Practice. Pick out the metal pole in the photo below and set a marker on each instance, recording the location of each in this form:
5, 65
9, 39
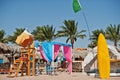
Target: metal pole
86, 23
88, 33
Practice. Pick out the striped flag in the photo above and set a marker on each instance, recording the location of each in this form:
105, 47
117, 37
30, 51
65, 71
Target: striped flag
76, 6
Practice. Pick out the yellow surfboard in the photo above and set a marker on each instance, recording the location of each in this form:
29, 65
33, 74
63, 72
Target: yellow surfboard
103, 57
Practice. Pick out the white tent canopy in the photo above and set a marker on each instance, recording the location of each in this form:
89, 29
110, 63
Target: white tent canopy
90, 58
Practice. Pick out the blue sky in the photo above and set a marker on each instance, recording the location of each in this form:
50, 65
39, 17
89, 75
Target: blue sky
31, 13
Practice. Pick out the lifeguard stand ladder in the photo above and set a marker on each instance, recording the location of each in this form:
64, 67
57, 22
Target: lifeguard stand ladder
25, 63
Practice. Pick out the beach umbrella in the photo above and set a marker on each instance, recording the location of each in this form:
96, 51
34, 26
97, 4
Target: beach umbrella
3, 47
14, 48
80, 53
25, 39
14, 51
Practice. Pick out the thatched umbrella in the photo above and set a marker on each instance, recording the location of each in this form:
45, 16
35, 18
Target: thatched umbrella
14, 51
14, 48
80, 53
3, 47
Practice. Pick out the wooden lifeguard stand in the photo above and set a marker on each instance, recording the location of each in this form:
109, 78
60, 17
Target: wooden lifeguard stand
24, 64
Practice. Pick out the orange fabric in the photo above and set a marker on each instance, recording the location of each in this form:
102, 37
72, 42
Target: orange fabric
22, 58
24, 39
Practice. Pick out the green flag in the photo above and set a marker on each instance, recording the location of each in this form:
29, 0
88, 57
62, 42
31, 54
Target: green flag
76, 6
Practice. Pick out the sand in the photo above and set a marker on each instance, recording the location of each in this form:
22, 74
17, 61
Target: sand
59, 76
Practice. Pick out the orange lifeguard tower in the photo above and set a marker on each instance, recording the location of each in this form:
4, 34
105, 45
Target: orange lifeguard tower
26, 62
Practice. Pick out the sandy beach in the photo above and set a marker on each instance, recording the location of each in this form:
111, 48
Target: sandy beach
59, 76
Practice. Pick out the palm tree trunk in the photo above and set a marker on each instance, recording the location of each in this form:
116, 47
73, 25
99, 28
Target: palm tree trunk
72, 42
72, 46
115, 44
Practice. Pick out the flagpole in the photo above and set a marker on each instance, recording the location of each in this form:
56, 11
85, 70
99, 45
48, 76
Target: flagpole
88, 33
86, 23
77, 7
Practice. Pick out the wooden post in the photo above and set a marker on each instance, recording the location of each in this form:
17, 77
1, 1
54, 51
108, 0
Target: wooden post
33, 65
28, 65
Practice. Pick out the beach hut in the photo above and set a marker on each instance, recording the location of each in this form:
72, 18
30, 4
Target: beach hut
49, 52
78, 57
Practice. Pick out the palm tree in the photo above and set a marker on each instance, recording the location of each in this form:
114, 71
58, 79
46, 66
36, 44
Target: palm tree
2, 39
13, 37
44, 33
113, 33
70, 31
94, 37
37, 33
